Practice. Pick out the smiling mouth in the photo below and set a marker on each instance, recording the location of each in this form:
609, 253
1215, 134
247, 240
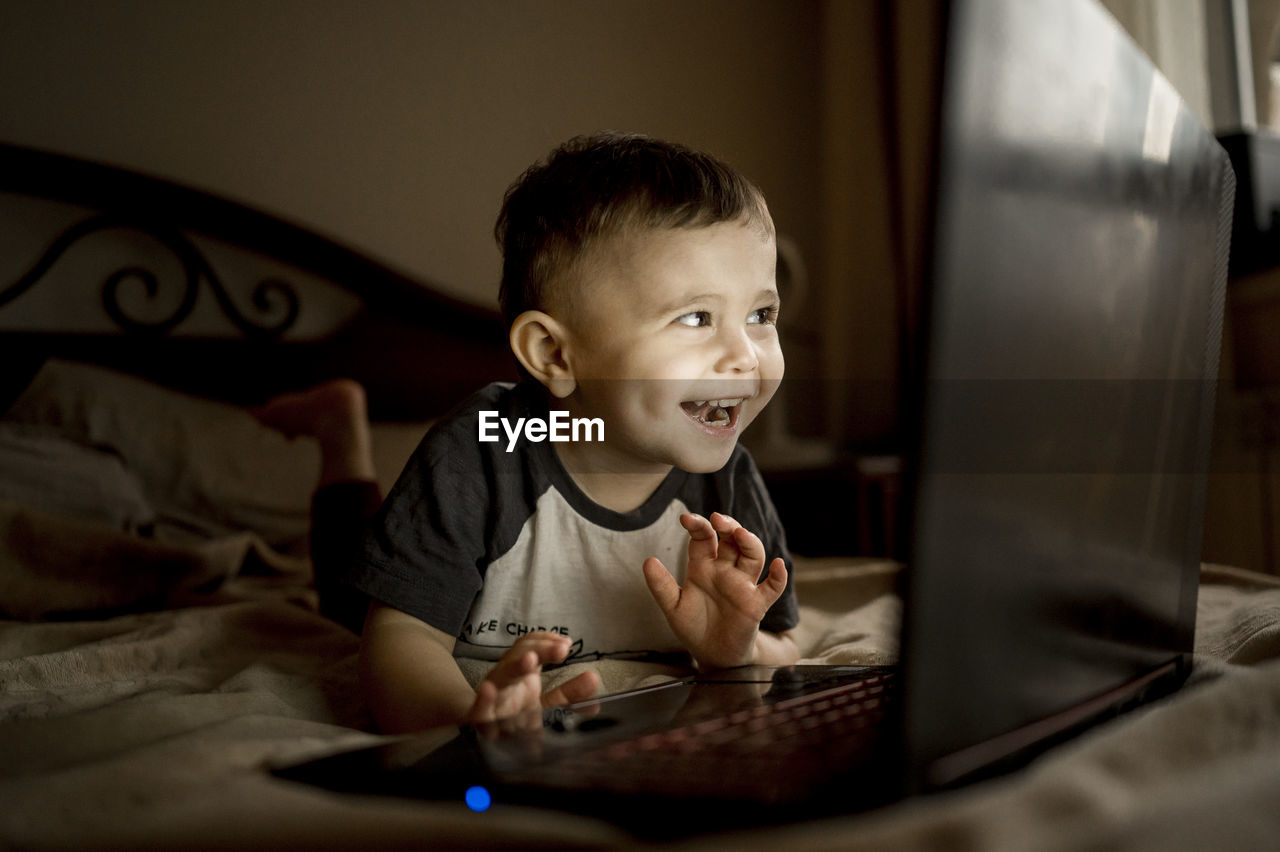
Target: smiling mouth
721, 413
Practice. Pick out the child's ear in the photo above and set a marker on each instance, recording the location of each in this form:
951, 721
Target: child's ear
538, 342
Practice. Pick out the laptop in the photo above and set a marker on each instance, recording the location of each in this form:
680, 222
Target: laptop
1071, 315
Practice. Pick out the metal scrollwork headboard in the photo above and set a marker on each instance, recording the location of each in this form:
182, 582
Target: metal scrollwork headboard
213, 297
271, 296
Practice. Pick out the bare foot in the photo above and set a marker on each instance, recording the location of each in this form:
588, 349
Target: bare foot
335, 413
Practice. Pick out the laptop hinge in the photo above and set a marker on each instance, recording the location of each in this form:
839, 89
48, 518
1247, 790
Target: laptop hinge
1023, 743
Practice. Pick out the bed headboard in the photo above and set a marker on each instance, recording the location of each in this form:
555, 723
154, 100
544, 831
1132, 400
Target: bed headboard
109, 266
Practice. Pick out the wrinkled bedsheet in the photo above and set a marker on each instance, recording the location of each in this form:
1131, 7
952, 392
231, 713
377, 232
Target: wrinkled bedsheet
146, 720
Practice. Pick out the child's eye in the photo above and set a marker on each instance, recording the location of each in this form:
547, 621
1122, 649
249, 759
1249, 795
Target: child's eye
696, 319
764, 316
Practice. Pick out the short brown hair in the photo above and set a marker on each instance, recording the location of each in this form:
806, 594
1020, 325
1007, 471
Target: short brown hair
597, 186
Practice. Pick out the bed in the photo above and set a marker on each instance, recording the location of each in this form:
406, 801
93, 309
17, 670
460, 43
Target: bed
160, 644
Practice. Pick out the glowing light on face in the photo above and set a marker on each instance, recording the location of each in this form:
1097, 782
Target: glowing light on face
678, 351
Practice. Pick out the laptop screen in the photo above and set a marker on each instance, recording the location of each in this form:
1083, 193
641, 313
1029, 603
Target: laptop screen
1073, 317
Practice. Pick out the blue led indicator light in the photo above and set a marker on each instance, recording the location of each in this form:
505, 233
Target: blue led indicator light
478, 799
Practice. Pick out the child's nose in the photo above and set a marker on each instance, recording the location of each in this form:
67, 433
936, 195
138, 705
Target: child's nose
738, 354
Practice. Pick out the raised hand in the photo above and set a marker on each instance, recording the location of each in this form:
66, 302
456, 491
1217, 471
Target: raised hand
716, 613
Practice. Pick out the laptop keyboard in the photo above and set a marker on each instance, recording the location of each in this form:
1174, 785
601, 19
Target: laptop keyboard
761, 752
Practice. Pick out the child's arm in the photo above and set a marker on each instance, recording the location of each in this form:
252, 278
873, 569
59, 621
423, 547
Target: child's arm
717, 612
408, 673
776, 649
411, 680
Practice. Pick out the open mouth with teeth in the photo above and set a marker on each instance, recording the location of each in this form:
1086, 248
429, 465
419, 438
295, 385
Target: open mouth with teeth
719, 413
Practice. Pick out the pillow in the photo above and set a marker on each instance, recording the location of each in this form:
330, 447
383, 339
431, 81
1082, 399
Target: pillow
208, 468
44, 471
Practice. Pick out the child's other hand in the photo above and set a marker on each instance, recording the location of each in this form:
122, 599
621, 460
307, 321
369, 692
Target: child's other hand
514, 686
717, 612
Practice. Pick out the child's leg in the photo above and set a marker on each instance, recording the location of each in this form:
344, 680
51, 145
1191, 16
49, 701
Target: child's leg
347, 495
335, 414
338, 513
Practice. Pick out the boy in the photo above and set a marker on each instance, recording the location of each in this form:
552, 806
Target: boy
638, 281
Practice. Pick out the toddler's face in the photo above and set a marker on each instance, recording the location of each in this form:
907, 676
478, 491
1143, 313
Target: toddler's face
675, 346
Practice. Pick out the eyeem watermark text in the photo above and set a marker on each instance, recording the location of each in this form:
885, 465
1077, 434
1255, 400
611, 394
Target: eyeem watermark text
557, 428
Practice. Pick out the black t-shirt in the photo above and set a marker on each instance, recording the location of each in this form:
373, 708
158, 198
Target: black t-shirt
488, 543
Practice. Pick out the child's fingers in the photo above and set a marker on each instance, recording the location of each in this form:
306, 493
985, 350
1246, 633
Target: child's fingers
510, 712
723, 524
549, 647
751, 555
776, 583
511, 667
485, 707
498, 696
578, 688
726, 529
699, 527
663, 587
703, 541
528, 655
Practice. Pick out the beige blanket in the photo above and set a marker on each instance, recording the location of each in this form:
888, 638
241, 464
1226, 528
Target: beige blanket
151, 728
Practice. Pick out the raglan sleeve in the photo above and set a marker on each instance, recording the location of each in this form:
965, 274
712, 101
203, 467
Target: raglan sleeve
753, 508
422, 552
